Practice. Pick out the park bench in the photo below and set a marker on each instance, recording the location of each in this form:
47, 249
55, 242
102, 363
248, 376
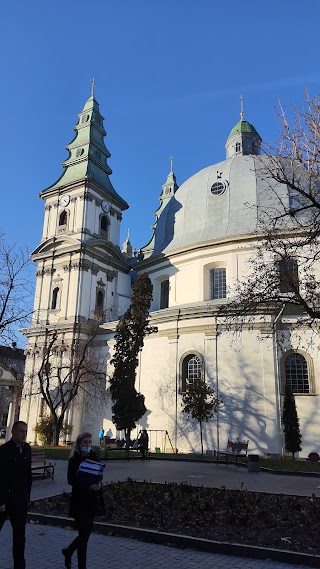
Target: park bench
235, 450
40, 466
120, 445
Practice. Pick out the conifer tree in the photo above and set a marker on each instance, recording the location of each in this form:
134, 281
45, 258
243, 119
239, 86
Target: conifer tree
128, 405
200, 403
290, 420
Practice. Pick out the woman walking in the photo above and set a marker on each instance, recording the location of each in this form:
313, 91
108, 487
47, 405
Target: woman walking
83, 501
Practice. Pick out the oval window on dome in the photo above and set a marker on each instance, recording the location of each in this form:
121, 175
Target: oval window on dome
218, 188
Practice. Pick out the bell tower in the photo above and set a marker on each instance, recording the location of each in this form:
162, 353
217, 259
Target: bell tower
82, 276
79, 256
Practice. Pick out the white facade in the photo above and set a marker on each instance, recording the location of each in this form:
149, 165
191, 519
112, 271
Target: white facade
204, 236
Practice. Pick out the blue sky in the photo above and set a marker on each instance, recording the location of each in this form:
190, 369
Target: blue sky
169, 74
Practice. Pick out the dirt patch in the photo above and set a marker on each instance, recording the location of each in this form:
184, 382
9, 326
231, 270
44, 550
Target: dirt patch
239, 516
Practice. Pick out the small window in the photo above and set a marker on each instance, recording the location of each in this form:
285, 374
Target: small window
104, 225
288, 275
192, 371
63, 217
218, 283
238, 147
85, 118
164, 294
55, 298
296, 373
100, 299
97, 155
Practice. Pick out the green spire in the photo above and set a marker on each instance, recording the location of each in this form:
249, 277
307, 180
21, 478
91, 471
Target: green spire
88, 154
169, 188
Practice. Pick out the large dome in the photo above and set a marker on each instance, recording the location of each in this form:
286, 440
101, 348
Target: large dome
219, 201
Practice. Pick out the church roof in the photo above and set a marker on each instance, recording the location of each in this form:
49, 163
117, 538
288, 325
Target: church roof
243, 127
220, 201
88, 154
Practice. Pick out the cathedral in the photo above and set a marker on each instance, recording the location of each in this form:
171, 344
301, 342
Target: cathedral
203, 236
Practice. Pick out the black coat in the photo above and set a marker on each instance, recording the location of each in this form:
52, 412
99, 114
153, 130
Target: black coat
15, 475
83, 501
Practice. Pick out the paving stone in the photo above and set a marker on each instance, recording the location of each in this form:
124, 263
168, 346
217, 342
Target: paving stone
44, 544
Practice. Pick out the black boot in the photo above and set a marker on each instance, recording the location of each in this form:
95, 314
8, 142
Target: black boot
67, 558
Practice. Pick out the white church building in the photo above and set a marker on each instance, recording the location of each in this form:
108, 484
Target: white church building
203, 236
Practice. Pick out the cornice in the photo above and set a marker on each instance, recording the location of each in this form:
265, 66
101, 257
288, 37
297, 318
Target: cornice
84, 186
245, 238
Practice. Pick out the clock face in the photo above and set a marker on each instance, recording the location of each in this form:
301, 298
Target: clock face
105, 206
64, 200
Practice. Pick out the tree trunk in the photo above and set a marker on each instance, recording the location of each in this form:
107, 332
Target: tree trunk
57, 424
201, 437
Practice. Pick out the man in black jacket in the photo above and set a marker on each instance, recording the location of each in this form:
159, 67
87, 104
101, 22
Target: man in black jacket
15, 487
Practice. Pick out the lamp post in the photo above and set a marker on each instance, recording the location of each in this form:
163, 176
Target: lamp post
16, 393
217, 334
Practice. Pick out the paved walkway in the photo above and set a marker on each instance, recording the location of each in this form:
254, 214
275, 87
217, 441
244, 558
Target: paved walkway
201, 474
44, 544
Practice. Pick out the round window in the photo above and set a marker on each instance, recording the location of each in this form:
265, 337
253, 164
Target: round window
218, 188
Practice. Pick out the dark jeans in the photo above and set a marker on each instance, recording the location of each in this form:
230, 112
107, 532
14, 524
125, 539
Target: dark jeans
84, 525
18, 520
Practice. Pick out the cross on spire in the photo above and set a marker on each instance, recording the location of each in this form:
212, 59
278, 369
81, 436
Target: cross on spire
241, 108
171, 165
93, 83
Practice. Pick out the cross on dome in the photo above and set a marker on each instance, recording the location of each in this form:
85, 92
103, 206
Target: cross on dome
93, 83
241, 108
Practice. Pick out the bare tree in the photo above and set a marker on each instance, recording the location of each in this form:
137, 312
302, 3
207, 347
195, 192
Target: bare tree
67, 374
15, 289
283, 271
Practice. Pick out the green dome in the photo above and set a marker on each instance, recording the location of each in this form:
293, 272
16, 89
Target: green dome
243, 127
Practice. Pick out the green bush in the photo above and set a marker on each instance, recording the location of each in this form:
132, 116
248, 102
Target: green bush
44, 430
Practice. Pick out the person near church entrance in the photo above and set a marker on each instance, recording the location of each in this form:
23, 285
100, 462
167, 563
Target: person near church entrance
143, 443
101, 435
15, 488
83, 502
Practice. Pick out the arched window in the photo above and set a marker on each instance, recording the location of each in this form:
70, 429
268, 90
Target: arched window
63, 217
104, 225
99, 300
55, 298
296, 373
192, 370
238, 147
